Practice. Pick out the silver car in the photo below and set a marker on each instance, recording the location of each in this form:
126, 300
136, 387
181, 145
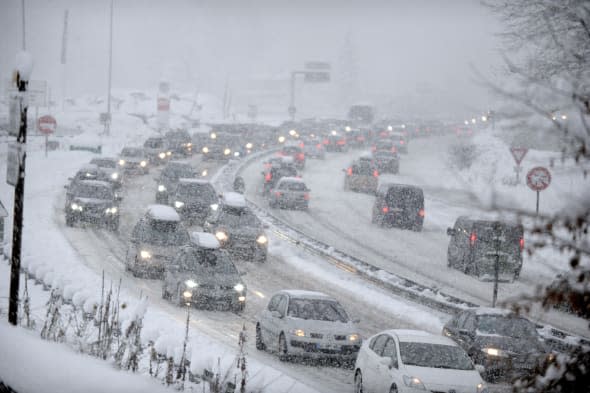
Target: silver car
289, 192
202, 274
307, 324
154, 241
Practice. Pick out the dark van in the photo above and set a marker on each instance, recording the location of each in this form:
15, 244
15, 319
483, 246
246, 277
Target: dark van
476, 245
399, 205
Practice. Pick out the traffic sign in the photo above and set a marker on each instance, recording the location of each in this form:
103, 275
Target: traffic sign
538, 178
518, 153
47, 124
316, 76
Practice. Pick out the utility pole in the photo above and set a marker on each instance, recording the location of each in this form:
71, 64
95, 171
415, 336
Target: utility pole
107, 125
24, 68
64, 42
23, 23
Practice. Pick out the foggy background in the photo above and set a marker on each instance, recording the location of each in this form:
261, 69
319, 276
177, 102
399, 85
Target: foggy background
410, 58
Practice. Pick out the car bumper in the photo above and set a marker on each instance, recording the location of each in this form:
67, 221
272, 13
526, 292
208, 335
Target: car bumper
218, 299
304, 348
90, 216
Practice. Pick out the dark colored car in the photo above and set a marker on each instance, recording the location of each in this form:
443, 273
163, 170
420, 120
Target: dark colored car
179, 142
476, 245
355, 137
504, 343
295, 152
386, 161
275, 171
203, 274
362, 176
156, 150
90, 172
168, 179
335, 142
237, 228
134, 161
399, 205
92, 201
110, 169
222, 146
193, 199
289, 192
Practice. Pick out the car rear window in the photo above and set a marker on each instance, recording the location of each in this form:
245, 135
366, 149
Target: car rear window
404, 197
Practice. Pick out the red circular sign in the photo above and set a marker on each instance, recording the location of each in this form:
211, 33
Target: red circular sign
46, 124
538, 178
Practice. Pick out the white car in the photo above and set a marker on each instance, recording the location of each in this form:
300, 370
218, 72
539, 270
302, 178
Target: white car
307, 324
414, 361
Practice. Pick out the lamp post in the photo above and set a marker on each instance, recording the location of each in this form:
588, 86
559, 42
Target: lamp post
24, 67
107, 124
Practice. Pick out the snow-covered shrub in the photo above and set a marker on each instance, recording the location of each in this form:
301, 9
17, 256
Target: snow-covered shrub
462, 155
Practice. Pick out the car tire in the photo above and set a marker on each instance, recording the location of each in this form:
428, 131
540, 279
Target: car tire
358, 382
393, 389
283, 351
113, 225
240, 307
259, 342
165, 294
70, 220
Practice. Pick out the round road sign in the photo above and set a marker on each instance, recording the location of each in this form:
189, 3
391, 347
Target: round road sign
538, 178
46, 124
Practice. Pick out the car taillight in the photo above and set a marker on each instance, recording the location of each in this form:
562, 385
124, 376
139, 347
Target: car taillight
472, 238
278, 194
393, 149
349, 171
326, 142
301, 156
319, 145
385, 209
341, 142
301, 145
421, 212
267, 177
375, 173
373, 148
401, 142
306, 196
521, 243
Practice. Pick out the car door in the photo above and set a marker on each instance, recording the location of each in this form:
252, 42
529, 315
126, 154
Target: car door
279, 321
388, 373
267, 323
370, 372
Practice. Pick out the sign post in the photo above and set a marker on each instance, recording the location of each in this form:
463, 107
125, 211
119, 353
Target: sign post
538, 179
46, 125
518, 154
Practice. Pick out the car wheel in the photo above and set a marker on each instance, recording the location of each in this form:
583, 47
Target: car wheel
393, 389
165, 294
113, 225
259, 343
283, 353
358, 382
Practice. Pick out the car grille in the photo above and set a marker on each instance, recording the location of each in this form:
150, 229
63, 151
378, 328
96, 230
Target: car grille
316, 335
339, 337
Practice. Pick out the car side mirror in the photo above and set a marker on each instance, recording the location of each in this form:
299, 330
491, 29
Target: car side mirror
276, 314
480, 368
450, 231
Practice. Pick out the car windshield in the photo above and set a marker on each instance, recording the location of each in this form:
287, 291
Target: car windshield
505, 326
104, 163
178, 172
317, 310
404, 197
93, 191
209, 262
154, 143
164, 233
363, 169
293, 186
384, 155
131, 152
238, 218
434, 356
291, 150
196, 192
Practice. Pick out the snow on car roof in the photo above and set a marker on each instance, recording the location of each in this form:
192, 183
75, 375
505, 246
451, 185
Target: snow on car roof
299, 293
88, 168
205, 240
163, 213
192, 181
291, 180
95, 183
234, 199
410, 335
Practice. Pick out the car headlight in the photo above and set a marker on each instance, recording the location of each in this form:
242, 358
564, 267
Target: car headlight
236, 153
414, 382
145, 254
76, 207
168, 153
178, 204
121, 162
161, 188
188, 144
162, 155
205, 149
213, 135
241, 298
204, 173
190, 283
221, 236
495, 352
248, 145
481, 388
111, 210
298, 332
114, 175
261, 239
187, 294
214, 206
239, 287
227, 152
353, 337
143, 164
